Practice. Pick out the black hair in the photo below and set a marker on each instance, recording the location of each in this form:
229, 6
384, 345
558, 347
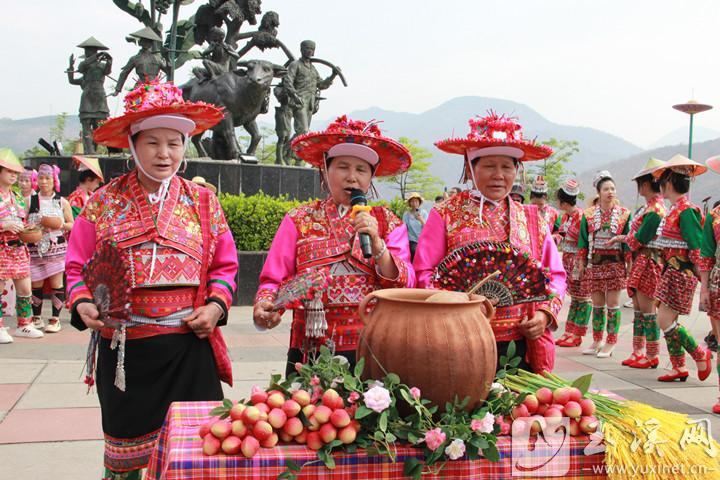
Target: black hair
649, 179
679, 182
602, 181
538, 195
439, 198
86, 175
564, 197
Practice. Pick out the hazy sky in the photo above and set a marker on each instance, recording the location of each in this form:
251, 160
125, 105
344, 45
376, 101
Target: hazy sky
616, 65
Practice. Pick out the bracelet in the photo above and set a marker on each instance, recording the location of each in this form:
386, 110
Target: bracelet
222, 311
382, 252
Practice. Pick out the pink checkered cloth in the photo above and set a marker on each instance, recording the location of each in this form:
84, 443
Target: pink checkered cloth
178, 455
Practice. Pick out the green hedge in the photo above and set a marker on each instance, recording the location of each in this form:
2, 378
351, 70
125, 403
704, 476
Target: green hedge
255, 219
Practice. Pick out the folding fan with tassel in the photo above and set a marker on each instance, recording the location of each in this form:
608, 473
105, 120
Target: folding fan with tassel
107, 276
511, 277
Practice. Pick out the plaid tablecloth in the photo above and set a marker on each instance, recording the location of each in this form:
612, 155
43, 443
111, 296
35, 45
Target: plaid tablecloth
178, 455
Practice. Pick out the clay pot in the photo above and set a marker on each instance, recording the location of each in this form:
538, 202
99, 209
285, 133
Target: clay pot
51, 223
443, 348
30, 235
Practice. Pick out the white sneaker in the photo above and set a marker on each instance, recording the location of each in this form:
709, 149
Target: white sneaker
53, 326
593, 349
28, 331
38, 323
5, 336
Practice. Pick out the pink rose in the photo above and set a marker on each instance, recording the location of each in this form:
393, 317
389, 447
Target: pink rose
434, 438
377, 398
298, 367
485, 425
353, 397
415, 392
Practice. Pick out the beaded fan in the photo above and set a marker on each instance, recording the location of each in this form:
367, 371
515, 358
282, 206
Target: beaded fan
521, 278
301, 287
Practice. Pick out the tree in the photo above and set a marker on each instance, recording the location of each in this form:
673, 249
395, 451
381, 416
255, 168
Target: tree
418, 177
266, 148
56, 133
553, 168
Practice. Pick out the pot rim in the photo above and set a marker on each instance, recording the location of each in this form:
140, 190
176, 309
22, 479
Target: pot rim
391, 294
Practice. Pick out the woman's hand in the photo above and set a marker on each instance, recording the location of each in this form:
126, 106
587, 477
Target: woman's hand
366, 223
617, 239
534, 327
265, 316
13, 227
704, 299
89, 315
203, 319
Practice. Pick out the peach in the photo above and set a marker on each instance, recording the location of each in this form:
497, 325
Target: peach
221, 429
239, 429
277, 418
331, 399
262, 430
347, 435
561, 395
314, 442
258, 397
291, 408
588, 407
536, 425
575, 394
531, 403
574, 428
270, 441
302, 437
328, 433
542, 408
205, 428
302, 397
263, 407
231, 445
553, 412
356, 425
340, 418
236, 411
309, 410
276, 400
211, 445
251, 415
589, 425
544, 395
293, 426
520, 411
285, 437
572, 409
322, 414
250, 446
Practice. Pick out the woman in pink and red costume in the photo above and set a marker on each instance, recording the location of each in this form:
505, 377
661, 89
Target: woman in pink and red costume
182, 266
710, 268
493, 151
325, 233
539, 197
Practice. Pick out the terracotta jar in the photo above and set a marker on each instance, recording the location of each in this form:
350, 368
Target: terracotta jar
445, 349
30, 235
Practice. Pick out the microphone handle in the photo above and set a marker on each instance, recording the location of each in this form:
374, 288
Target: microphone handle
365, 245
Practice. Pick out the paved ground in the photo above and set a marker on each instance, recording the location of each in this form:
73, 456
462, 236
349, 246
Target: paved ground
50, 427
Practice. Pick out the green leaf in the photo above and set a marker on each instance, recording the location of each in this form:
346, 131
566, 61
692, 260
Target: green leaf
217, 411
491, 453
406, 395
410, 466
583, 383
383, 421
390, 438
391, 379
359, 367
334, 443
327, 458
292, 466
227, 403
515, 361
511, 349
503, 360
412, 438
287, 476
362, 412
303, 418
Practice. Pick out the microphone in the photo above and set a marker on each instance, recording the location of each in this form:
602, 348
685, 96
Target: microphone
358, 202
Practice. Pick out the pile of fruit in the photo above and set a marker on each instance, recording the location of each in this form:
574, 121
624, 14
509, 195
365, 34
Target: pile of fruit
271, 417
545, 406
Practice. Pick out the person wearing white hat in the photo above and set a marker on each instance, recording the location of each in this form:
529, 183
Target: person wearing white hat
606, 263
539, 197
414, 219
90, 177
646, 268
680, 240
578, 287
710, 267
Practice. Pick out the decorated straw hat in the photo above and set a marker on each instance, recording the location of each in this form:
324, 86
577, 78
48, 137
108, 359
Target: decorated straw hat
650, 166
495, 135
201, 181
82, 162
571, 187
414, 195
600, 176
160, 103
682, 165
713, 163
354, 138
10, 161
539, 185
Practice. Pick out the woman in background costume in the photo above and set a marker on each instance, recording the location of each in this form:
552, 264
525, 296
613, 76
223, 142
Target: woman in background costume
90, 177
181, 261
326, 234
539, 197
606, 264
493, 151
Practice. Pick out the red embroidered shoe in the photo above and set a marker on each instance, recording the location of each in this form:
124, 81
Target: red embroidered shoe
703, 374
633, 358
716, 408
571, 341
671, 377
645, 362
560, 342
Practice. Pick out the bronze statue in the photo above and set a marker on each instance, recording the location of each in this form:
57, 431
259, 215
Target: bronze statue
218, 58
233, 13
146, 63
265, 37
283, 126
96, 65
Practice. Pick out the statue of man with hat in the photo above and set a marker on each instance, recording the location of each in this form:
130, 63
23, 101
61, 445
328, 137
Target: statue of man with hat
147, 63
96, 65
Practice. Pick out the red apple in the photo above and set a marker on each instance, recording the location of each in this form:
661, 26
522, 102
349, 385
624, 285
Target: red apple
588, 407
291, 408
347, 435
250, 446
575, 394
561, 395
221, 429
340, 418
331, 399
532, 403
231, 445
302, 437
589, 425
293, 426
302, 397
328, 433
258, 397
520, 411
276, 400
239, 429
544, 395
314, 442
236, 411
250, 415
322, 414
285, 437
262, 430
211, 445
270, 441
572, 409
277, 418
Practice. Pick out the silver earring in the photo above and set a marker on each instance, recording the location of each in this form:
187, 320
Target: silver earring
127, 164
183, 166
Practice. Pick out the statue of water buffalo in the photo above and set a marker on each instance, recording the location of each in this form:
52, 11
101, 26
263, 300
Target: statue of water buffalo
243, 93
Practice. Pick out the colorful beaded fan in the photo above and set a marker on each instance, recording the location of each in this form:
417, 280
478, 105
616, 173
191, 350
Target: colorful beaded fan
515, 277
301, 287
